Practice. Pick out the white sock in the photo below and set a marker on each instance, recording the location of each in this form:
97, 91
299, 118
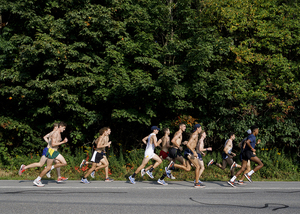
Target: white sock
52, 167
250, 173
38, 178
232, 179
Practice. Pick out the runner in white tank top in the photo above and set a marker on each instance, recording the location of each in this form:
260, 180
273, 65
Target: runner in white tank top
149, 154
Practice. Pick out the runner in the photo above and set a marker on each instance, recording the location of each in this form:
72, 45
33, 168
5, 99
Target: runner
248, 154
227, 156
200, 149
191, 156
149, 154
84, 162
43, 159
248, 167
174, 153
52, 153
99, 153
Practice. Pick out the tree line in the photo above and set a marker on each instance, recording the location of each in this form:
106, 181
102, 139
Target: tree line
130, 64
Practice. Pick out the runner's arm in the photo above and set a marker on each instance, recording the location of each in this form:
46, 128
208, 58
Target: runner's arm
248, 143
145, 139
174, 140
54, 141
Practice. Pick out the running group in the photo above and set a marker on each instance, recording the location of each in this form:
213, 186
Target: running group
171, 150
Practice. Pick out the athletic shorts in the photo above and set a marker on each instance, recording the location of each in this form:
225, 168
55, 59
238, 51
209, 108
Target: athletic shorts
188, 152
51, 153
163, 154
45, 152
97, 157
173, 153
200, 156
247, 155
224, 156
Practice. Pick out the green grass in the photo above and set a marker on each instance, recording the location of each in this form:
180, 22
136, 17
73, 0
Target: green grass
278, 166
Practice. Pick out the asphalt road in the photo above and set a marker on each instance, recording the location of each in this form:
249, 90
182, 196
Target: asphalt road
148, 197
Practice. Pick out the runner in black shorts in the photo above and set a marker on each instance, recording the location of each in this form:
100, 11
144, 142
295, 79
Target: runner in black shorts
248, 154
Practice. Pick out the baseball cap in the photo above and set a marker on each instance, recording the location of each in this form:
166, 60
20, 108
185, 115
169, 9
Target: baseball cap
196, 126
154, 128
249, 131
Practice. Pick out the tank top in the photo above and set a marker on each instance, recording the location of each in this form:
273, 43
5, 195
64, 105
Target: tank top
229, 151
150, 147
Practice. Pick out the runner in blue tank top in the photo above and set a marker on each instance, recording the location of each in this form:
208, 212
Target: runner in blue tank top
249, 154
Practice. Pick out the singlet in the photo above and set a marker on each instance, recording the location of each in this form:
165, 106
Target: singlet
150, 147
229, 151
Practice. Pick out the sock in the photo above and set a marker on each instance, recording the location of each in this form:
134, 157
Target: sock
151, 169
133, 175
52, 167
163, 176
232, 179
38, 178
250, 173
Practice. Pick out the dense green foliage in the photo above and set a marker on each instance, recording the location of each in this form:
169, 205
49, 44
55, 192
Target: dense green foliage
130, 64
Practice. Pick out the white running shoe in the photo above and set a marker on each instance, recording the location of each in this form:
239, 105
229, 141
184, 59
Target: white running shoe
48, 174
210, 162
38, 183
172, 177
21, 170
93, 174
162, 182
131, 179
143, 172
233, 166
83, 162
85, 181
150, 174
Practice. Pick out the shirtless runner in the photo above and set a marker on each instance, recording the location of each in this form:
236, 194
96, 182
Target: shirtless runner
99, 153
227, 156
84, 162
200, 149
52, 153
191, 156
43, 159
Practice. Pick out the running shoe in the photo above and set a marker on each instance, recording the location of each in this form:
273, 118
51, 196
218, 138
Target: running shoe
162, 182
150, 174
168, 172
48, 174
171, 164
241, 182
85, 181
210, 162
83, 162
233, 166
231, 183
172, 177
21, 170
200, 182
143, 172
61, 179
131, 179
108, 179
248, 177
93, 174
38, 183
198, 185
